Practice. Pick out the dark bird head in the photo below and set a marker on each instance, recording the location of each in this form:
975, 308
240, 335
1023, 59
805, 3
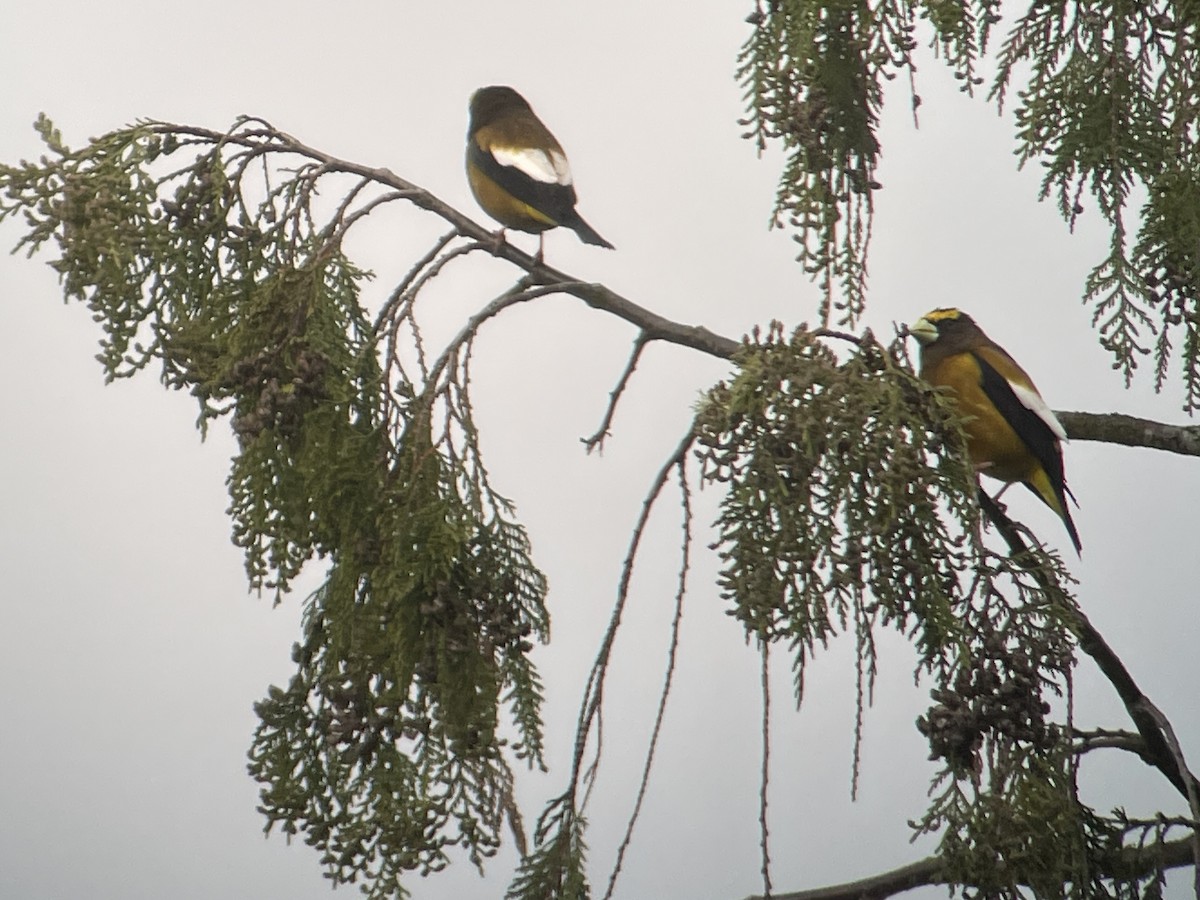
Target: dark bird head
489, 103
951, 330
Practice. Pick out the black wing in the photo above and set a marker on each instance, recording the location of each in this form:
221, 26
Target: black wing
1029, 426
556, 201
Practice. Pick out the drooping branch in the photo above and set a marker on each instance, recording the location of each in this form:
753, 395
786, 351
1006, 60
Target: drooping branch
1152, 743
1142, 712
665, 693
558, 858
594, 691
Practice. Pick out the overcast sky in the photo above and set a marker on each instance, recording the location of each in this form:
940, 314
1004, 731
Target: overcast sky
130, 652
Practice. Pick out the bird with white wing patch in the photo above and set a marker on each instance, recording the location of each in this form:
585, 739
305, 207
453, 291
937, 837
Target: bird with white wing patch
517, 169
1012, 435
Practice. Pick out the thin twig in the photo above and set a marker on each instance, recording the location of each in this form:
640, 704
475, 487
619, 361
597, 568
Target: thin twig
401, 289
596, 441
339, 216
1193, 800
672, 650
519, 293
365, 210
593, 693
765, 778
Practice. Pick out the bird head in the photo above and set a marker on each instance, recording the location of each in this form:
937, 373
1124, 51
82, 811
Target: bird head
488, 103
951, 329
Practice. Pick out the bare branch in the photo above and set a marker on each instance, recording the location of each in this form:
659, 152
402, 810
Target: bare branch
885, 884
1104, 739
654, 326
1115, 428
1136, 703
591, 708
519, 293
596, 441
1193, 801
1158, 752
1128, 863
672, 651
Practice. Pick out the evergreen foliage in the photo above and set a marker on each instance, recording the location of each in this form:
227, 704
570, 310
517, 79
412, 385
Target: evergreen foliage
389, 744
556, 867
848, 499
1106, 95
848, 506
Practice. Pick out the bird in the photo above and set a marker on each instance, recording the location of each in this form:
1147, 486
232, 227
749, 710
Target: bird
517, 169
1012, 435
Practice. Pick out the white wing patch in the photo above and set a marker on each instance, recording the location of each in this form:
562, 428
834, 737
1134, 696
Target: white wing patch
1031, 401
546, 166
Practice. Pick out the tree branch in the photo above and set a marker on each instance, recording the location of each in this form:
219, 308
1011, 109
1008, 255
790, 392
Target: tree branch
1130, 431
1193, 799
596, 441
1153, 744
1127, 863
1154, 730
1112, 428
597, 296
1141, 711
1101, 739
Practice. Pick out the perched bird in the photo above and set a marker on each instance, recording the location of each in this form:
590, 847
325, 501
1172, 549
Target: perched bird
518, 171
1011, 433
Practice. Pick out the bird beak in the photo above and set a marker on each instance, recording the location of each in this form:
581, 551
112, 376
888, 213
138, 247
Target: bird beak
923, 330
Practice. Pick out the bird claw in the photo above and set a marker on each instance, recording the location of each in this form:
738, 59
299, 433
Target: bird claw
499, 239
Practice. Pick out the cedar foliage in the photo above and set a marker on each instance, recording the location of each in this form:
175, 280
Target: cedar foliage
414, 692
1104, 95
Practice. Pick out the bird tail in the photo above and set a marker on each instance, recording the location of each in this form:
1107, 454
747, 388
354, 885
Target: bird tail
1056, 498
586, 232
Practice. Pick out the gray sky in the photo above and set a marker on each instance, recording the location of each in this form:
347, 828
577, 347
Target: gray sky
130, 653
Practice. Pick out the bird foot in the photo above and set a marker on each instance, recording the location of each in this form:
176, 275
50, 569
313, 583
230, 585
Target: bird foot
499, 239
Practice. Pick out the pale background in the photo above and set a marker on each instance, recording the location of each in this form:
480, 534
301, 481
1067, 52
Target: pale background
130, 654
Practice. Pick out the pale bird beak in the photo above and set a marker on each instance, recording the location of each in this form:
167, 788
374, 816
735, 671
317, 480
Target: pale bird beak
923, 330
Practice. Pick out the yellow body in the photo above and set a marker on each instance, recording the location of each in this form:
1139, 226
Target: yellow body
992, 443
1011, 434
503, 206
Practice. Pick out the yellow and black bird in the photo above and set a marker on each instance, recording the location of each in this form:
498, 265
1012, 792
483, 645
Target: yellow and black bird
1011, 433
518, 171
